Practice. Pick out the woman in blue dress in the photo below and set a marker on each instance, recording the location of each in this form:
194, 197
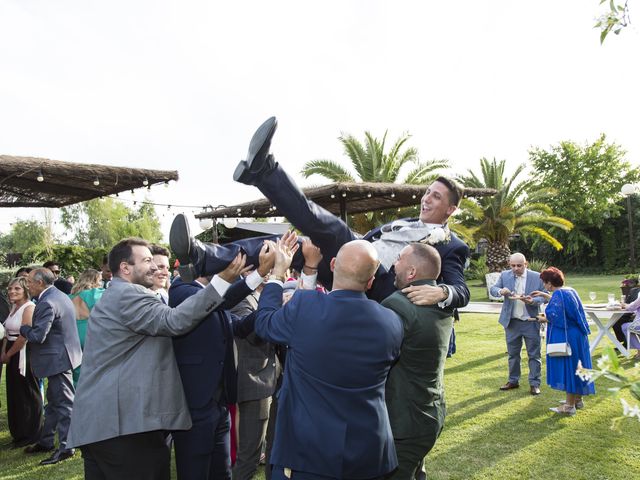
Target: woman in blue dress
567, 322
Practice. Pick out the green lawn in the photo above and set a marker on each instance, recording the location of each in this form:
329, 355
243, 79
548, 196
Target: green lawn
489, 434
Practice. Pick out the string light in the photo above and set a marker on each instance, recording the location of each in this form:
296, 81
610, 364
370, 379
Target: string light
96, 182
369, 195
413, 196
333, 196
145, 182
344, 194
40, 177
393, 195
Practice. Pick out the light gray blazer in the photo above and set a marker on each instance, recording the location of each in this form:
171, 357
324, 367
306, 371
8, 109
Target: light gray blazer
508, 280
258, 366
130, 381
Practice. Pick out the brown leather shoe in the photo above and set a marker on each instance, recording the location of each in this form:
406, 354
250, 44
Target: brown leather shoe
534, 390
509, 386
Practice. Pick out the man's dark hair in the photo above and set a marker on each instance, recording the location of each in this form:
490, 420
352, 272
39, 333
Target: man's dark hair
23, 269
49, 264
122, 252
456, 192
159, 250
44, 275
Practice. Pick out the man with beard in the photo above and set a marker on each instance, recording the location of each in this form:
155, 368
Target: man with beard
130, 391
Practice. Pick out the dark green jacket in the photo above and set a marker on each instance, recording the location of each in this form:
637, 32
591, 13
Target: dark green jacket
415, 387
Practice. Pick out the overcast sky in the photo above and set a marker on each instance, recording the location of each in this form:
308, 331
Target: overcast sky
182, 85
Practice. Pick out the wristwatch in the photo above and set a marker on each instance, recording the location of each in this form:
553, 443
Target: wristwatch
280, 278
445, 289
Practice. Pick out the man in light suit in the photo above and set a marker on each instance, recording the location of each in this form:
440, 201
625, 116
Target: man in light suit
55, 351
515, 285
415, 387
130, 391
332, 420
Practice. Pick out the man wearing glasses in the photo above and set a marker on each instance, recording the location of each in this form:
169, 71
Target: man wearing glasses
60, 283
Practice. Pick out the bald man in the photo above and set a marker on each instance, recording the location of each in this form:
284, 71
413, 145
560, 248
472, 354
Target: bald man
332, 420
515, 285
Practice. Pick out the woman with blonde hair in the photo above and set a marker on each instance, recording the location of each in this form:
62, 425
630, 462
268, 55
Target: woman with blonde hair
24, 401
85, 294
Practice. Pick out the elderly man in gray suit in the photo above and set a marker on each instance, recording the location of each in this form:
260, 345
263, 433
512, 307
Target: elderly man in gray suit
55, 351
130, 392
515, 285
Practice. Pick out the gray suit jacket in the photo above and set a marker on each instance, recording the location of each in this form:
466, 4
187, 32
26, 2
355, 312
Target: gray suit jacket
53, 336
508, 280
130, 381
258, 367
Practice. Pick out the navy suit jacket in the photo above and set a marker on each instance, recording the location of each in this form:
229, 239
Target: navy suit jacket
53, 335
454, 255
332, 419
205, 355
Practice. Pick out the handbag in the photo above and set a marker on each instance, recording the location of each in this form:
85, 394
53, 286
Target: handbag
560, 349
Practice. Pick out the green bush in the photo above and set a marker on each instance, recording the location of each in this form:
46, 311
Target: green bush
72, 259
477, 269
537, 265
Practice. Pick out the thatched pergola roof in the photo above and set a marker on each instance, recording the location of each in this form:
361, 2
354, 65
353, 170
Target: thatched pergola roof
66, 183
341, 199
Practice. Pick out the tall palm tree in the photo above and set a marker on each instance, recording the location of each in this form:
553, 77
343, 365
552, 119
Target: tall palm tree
518, 207
372, 164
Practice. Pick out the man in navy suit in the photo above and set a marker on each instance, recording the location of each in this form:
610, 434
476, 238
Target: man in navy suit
329, 233
332, 419
207, 366
55, 351
515, 285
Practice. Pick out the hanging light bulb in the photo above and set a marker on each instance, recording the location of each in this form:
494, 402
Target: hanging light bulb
40, 177
145, 182
344, 194
206, 223
369, 195
393, 195
333, 196
413, 196
96, 182
230, 222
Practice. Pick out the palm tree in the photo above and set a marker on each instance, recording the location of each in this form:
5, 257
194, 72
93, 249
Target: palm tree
372, 164
518, 207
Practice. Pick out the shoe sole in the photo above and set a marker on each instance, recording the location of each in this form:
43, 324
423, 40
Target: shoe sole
261, 140
180, 239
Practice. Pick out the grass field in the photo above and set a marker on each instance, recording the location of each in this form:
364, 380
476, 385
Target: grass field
488, 434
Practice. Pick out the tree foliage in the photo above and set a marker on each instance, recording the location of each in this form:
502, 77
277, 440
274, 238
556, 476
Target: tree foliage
372, 162
518, 207
614, 19
588, 180
24, 234
101, 223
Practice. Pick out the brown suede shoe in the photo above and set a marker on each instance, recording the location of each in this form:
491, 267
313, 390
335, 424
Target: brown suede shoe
509, 386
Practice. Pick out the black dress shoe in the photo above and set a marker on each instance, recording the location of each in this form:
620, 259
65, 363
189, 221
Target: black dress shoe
534, 390
258, 161
186, 248
58, 456
509, 386
37, 448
